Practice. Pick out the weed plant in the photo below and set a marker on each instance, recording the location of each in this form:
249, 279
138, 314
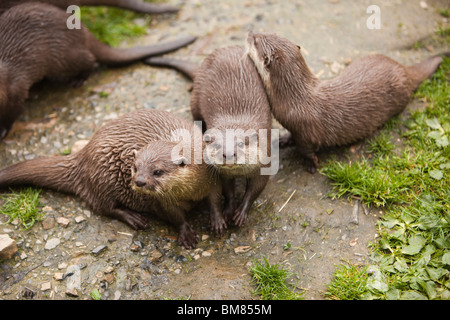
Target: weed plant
413, 186
271, 281
23, 205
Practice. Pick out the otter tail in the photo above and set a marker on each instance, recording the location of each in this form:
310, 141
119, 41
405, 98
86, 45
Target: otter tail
134, 5
48, 172
425, 69
185, 67
118, 56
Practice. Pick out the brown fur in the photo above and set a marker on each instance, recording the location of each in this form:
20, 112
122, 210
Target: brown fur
126, 170
36, 44
228, 94
134, 5
334, 112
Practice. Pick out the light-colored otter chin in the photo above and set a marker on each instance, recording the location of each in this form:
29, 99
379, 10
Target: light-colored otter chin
146, 191
251, 51
236, 169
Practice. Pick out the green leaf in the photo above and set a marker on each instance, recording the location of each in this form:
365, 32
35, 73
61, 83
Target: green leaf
433, 123
446, 258
445, 165
401, 265
436, 174
393, 294
95, 294
413, 295
436, 273
416, 244
429, 287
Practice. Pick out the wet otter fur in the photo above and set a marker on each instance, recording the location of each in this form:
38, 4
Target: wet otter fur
134, 5
127, 170
36, 44
228, 96
336, 112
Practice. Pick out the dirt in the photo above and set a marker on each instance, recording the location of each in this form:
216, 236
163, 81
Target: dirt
294, 223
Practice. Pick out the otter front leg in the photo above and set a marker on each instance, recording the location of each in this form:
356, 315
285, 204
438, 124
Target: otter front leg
134, 219
254, 188
217, 221
187, 237
228, 186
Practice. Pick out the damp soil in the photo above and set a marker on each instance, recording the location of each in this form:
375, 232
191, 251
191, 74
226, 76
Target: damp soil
293, 223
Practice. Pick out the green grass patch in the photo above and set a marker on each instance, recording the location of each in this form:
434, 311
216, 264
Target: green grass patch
412, 255
271, 281
349, 283
114, 25
23, 205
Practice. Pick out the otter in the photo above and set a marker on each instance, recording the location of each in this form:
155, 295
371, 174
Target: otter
335, 112
229, 98
36, 44
128, 169
134, 5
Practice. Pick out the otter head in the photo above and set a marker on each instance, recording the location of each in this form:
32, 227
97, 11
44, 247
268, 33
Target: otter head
272, 55
232, 151
155, 171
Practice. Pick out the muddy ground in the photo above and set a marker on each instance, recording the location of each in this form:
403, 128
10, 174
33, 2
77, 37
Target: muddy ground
55, 261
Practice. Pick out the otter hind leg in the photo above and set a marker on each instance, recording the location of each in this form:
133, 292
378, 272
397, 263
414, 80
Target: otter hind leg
311, 160
286, 140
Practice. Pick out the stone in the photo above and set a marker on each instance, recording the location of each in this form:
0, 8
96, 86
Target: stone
80, 219
58, 276
73, 278
155, 255
48, 223
64, 222
46, 286
8, 247
72, 292
52, 243
99, 249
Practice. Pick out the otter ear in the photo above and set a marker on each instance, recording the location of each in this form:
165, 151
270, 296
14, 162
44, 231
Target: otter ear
299, 48
134, 152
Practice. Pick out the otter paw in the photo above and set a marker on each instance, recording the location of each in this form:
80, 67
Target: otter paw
239, 218
313, 164
286, 141
134, 219
187, 237
218, 225
228, 213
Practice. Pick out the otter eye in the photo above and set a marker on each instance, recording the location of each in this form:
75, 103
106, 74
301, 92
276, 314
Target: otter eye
158, 173
266, 61
208, 138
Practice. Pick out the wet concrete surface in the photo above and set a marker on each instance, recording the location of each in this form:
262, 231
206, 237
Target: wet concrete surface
96, 253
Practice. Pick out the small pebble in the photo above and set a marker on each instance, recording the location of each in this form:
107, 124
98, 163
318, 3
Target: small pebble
99, 249
52, 243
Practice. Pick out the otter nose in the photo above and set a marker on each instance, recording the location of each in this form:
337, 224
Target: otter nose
229, 155
140, 182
